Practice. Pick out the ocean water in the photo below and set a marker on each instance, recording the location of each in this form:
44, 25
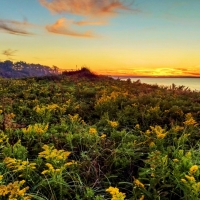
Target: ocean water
191, 83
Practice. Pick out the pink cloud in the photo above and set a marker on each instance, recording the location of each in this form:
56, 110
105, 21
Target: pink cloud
63, 27
84, 7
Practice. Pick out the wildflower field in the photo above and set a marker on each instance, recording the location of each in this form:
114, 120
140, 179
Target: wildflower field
97, 138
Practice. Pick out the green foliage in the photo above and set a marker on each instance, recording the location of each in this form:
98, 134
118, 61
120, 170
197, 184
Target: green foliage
17, 151
79, 136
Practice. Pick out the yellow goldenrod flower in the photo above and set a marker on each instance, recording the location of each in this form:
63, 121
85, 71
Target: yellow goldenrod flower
161, 135
17, 165
152, 144
1, 177
119, 196
193, 169
12, 115
175, 160
103, 135
37, 129
45, 171
152, 175
138, 183
112, 190
183, 180
159, 131
3, 137
50, 166
177, 128
116, 195
189, 120
70, 163
190, 178
52, 171
142, 197
50, 153
92, 130
56, 160
148, 132
75, 118
137, 126
113, 123
13, 191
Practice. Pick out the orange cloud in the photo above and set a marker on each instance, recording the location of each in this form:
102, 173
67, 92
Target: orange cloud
62, 26
167, 72
14, 27
88, 23
84, 7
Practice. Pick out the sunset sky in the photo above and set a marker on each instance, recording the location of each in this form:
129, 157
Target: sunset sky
141, 37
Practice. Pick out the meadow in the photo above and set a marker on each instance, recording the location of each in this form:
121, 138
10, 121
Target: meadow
96, 138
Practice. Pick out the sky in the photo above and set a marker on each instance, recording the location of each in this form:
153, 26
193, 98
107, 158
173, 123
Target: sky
112, 37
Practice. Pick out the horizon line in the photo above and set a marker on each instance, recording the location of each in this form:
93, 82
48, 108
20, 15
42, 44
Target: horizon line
151, 76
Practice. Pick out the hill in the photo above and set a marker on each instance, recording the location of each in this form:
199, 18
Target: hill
84, 72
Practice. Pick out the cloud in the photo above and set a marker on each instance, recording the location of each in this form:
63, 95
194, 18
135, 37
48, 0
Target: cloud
14, 27
9, 53
167, 72
88, 23
88, 9
190, 72
63, 27
193, 74
84, 7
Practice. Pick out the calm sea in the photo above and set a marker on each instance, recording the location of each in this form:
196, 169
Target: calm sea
191, 83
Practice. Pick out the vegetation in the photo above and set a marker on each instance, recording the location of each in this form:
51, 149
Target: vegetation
8, 69
83, 72
77, 137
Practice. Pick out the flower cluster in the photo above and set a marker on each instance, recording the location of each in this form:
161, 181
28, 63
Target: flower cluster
177, 128
159, 131
138, 183
189, 120
54, 155
12, 191
154, 109
189, 180
103, 135
116, 195
51, 169
36, 128
55, 171
193, 169
43, 109
17, 165
113, 124
93, 131
74, 118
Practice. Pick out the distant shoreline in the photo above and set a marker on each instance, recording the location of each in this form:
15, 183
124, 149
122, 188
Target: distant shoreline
191, 82
123, 77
